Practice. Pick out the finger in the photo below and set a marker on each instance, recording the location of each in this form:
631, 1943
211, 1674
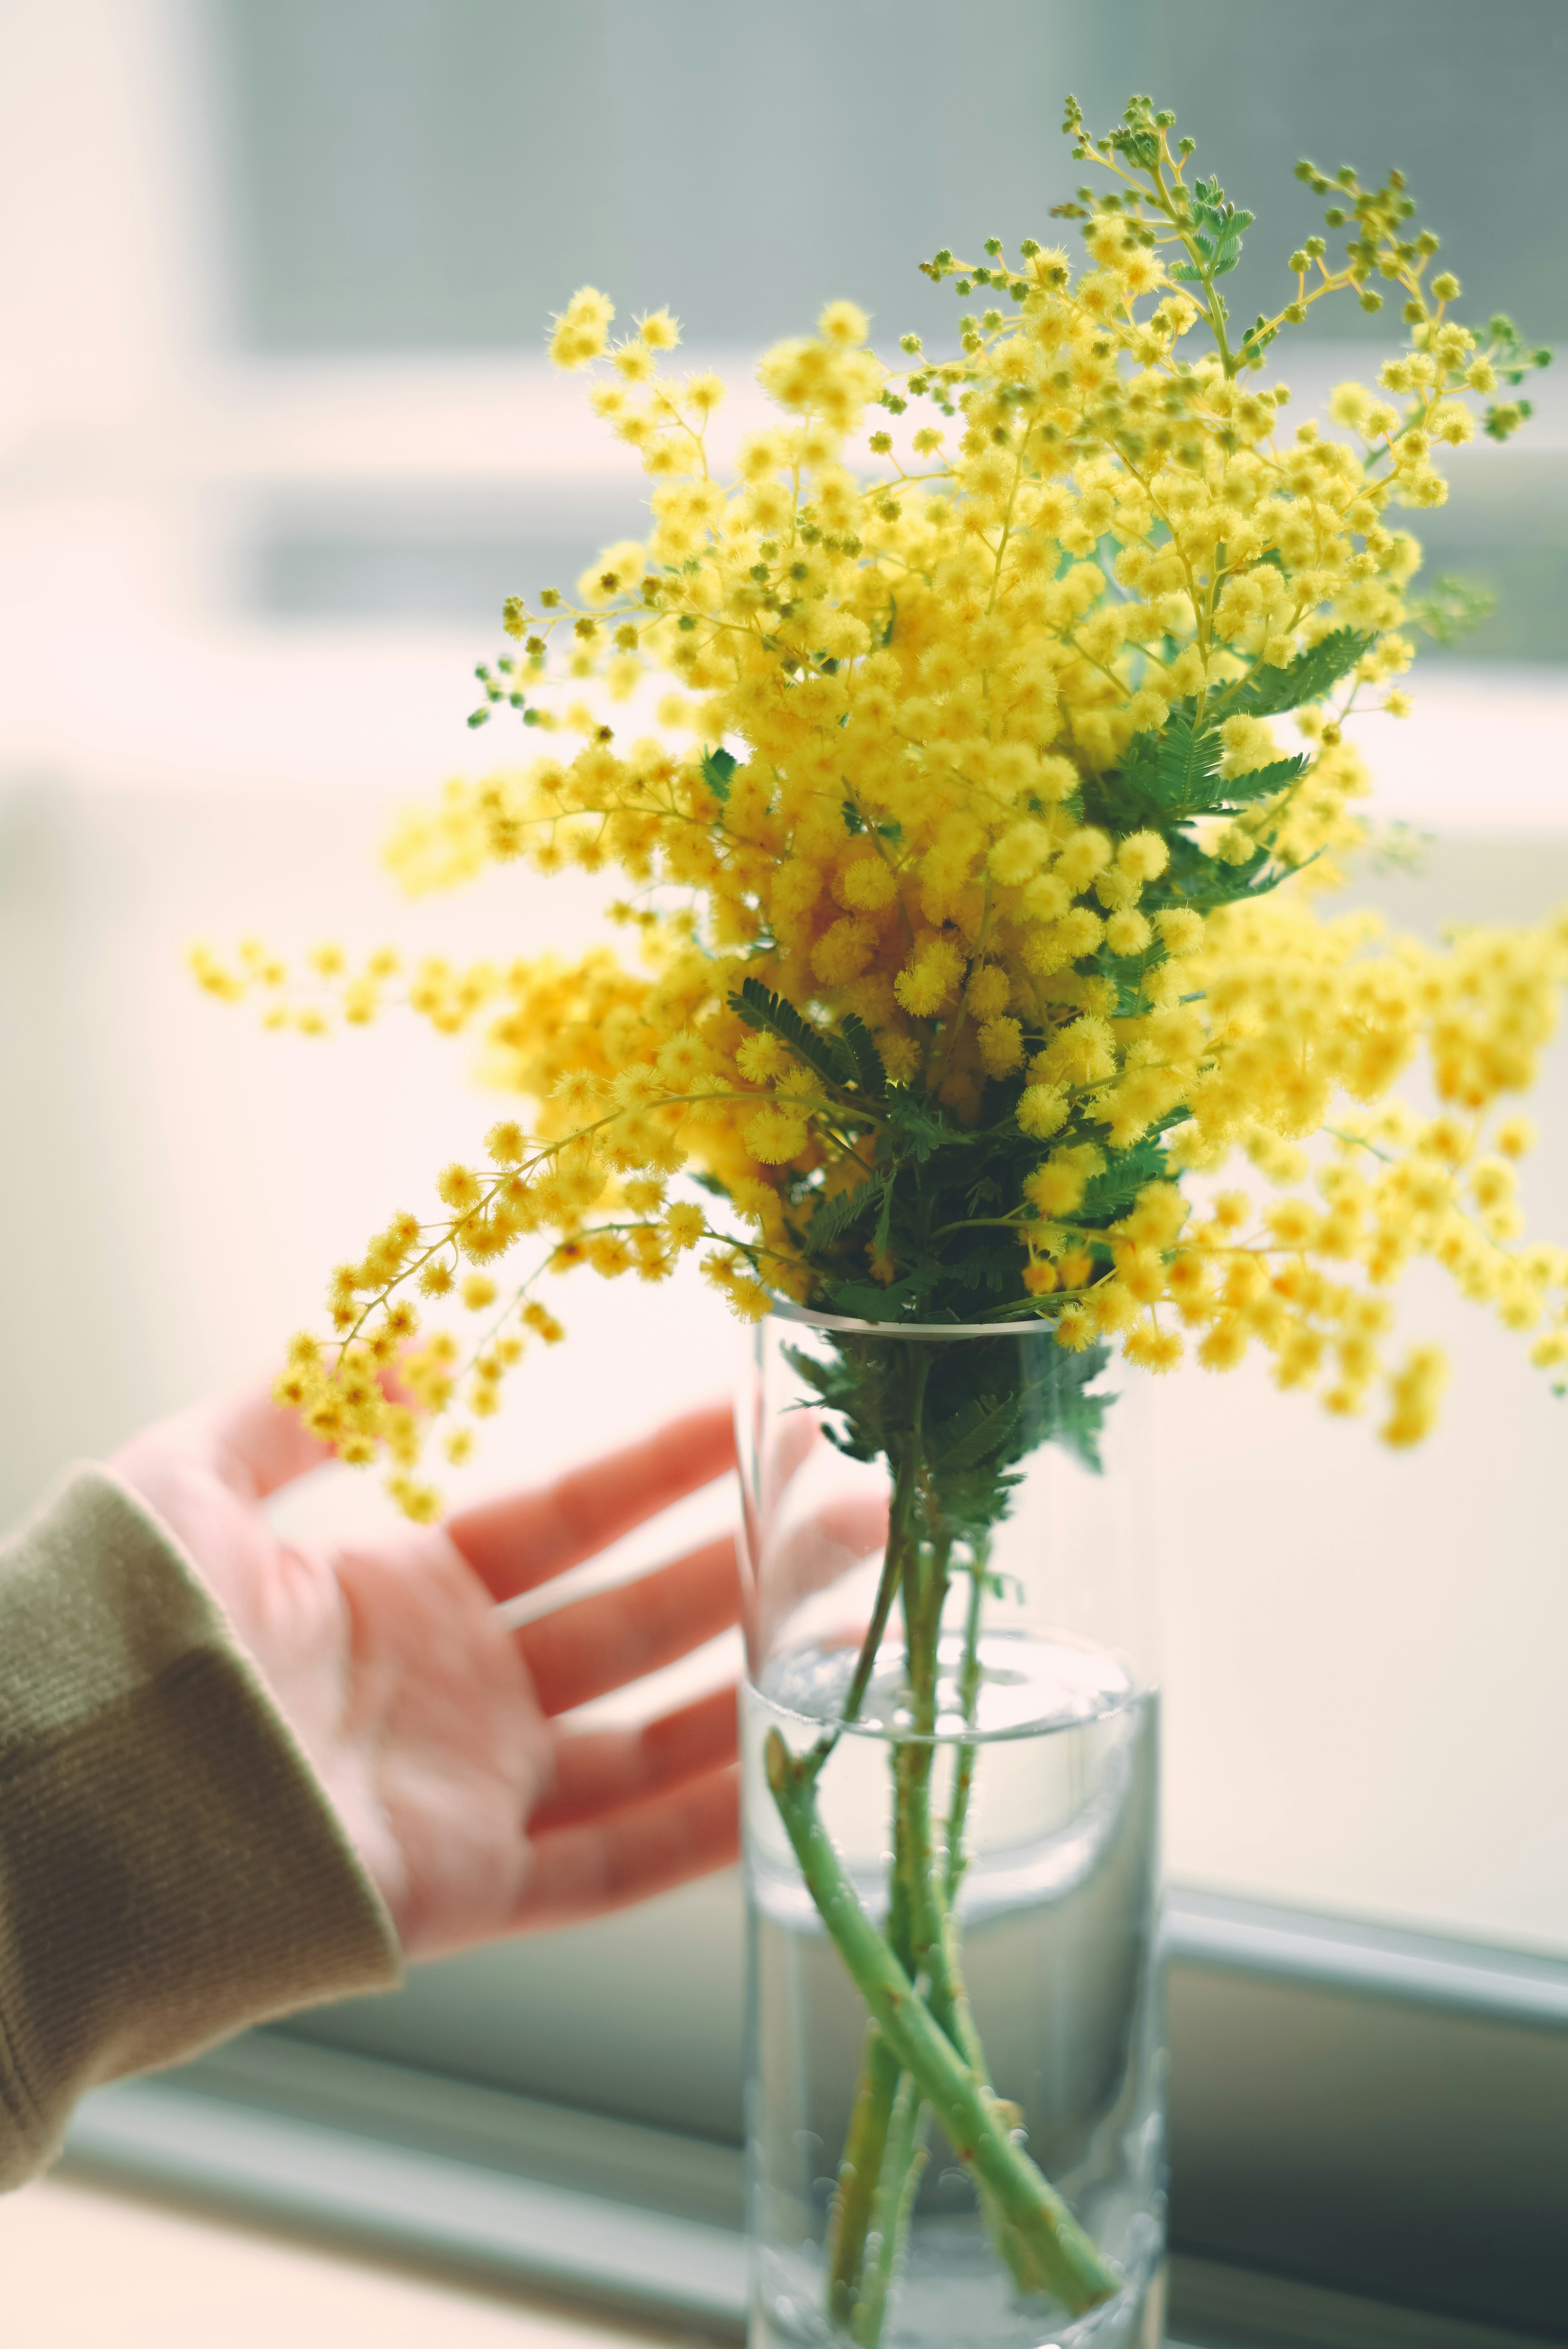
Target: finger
255, 1446
796, 1441
520, 1541
612, 1637
608, 1770
838, 1536
586, 1871
807, 1557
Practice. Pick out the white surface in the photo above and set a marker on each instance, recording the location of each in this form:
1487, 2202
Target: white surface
413, 2206
85, 2269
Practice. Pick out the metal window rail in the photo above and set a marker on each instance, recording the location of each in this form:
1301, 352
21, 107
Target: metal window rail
1369, 2143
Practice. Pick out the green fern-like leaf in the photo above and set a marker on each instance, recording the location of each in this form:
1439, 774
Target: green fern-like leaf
1263, 782
1113, 1191
976, 1433
864, 1060
1203, 883
831, 1218
920, 1126
1059, 1409
1452, 608
1169, 777
1175, 773
868, 1300
761, 1008
1269, 692
718, 772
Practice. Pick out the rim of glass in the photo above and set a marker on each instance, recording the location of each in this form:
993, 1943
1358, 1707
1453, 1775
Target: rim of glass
783, 1308
1135, 1689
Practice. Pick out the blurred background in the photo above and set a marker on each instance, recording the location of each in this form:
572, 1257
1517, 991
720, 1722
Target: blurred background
276, 440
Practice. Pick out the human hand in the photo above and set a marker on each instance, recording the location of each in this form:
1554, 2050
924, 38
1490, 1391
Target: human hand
434, 1725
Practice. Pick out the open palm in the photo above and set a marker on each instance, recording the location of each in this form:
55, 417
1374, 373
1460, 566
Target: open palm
434, 1725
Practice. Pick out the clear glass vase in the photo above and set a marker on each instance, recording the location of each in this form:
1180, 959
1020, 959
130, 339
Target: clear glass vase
950, 1740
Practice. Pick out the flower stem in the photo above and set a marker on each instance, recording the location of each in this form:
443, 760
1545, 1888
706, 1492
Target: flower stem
969, 1693
904, 2160
860, 2169
860, 2165
933, 1952
1050, 2251
937, 1946
901, 1545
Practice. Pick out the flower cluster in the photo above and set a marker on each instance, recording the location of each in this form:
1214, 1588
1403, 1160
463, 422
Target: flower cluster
974, 890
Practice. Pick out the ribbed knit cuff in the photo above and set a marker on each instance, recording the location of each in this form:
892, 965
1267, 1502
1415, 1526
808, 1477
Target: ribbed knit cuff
170, 1868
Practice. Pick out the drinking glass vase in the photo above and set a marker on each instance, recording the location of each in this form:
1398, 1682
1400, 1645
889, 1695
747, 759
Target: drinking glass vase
950, 1747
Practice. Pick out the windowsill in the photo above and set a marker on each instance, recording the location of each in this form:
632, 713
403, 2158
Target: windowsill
85, 2264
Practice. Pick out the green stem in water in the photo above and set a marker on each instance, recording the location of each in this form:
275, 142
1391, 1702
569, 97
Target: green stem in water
1050, 2251
933, 1951
860, 2164
905, 2154
872, 2206
856, 2199
904, 2160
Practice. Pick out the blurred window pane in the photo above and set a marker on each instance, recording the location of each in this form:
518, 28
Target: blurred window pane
413, 173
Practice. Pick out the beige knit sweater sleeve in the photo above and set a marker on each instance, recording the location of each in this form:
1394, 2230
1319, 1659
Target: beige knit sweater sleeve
170, 1868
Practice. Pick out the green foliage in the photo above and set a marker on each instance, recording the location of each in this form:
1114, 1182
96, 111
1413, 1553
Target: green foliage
1110, 1195
762, 1010
1266, 783
1397, 847
1268, 692
1255, 340
1515, 356
871, 1300
831, 1218
1450, 608
857, 1383
848, 1060
1168, 778
718, 772
1166, 782
1514, 360
1203, 881
976, 1433
855, 822
1217, 231
865, 1061
916, 1125
969, 1413
1171, 779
